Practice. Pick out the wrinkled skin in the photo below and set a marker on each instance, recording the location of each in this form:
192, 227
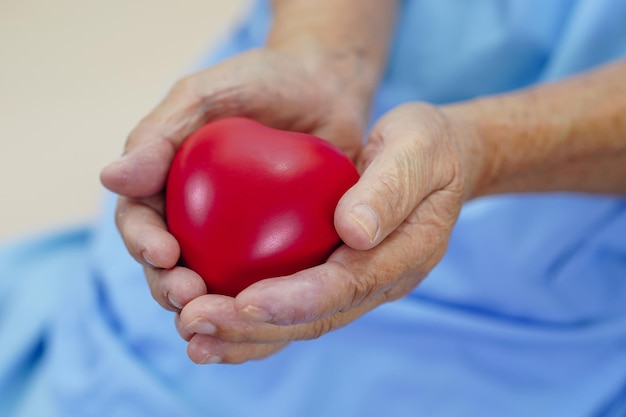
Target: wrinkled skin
395, 221
419, 164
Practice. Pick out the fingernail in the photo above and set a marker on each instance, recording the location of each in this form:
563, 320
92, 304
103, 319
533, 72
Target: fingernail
256, 313
211, 359
367, 219
147, 259
202, 326
173, 301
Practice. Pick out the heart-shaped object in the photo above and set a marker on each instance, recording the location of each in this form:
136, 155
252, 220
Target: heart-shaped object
248, 202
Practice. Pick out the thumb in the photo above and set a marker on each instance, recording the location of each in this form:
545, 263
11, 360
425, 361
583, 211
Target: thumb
150, 148
399, 174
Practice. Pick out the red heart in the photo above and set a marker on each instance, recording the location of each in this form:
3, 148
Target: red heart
248, 202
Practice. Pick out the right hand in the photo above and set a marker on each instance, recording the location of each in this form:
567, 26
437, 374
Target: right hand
311, 94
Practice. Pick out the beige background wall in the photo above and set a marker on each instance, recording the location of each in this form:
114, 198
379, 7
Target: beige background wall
75, 76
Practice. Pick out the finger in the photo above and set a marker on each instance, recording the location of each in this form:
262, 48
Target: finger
203, 349
349, 279
215, 315
174, 288
182, 331
400, 160
145, 234
141, 172
312, 302
142, 169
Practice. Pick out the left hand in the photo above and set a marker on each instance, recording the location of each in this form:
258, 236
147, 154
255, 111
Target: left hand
418, 167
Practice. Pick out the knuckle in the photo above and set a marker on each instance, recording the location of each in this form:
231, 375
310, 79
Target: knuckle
359, 287
319, 328
159, 294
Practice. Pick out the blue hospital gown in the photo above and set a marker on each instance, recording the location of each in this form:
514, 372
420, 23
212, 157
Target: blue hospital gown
525, 315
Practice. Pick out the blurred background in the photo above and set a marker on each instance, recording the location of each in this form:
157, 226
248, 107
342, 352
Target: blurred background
75, 77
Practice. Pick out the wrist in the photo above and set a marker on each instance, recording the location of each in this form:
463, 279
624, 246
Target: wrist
564, 136
478, 155
344, 43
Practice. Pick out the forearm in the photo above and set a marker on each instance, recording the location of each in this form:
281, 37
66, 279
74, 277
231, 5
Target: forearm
565, 136
351, 37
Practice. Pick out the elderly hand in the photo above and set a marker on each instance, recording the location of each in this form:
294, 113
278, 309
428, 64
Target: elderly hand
300, 93
418, 168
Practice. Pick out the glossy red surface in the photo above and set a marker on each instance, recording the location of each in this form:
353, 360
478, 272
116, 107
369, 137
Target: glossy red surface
247, 202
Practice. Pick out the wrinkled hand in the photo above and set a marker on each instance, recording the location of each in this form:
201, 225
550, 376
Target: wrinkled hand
305, 93
418, 168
